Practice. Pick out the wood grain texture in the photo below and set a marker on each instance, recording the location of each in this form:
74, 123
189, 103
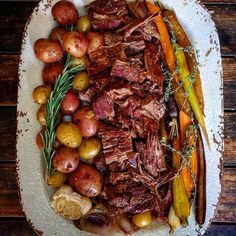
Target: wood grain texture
225, 17
10, 205
7, 134
9, 77
14, 16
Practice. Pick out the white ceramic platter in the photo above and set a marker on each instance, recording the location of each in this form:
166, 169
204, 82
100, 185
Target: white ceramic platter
35, 195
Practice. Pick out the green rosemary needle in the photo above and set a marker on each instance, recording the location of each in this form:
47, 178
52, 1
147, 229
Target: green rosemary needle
62, 85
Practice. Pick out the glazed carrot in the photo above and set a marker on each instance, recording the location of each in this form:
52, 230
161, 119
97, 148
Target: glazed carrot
167, 48
180, 198
180, 97
181, 202
184, 76
183, 40
201, 190
189, 139
176, 159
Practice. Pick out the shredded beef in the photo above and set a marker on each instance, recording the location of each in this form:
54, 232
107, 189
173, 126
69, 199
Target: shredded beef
117, 144
153, 62
124, 70
108, 7
103, 107
126, 94
152, 156
112, 38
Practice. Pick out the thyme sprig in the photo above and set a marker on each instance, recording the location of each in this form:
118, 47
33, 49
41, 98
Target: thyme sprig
61, 87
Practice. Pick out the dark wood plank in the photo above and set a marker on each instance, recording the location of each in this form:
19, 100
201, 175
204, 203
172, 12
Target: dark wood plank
221, 230
229, 68
15, 227
14, 16
8, 79
9, 76
7, 134
230, 139
9, 199
10, 206
224, 18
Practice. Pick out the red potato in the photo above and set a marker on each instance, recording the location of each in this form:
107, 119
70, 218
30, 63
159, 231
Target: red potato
86, 121
41, 115
95, 41
51, 72
65, 13
65, 160
88, 127
57, 34
86, 180
39, 140
70, 103
75, 43
41, 94
47, 50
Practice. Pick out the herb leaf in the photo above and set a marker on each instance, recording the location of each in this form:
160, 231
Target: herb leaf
61, 87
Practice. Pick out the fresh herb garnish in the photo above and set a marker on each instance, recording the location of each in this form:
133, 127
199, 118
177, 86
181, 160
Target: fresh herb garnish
61, 87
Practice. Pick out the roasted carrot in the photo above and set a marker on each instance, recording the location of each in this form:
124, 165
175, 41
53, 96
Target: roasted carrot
176, 159
189, 139
201, 189
180, 200
183, 40
167, 47
180, 97
184, 76
180, 197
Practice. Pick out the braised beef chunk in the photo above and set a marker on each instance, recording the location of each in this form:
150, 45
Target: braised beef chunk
153, 108
124, 70
112, 38
108, 14
107, 54
100, 164
108, 23
153, 62
117, 144
108, 7
103, 107
100, 80
88, 94
152, 156
134, 47
141, 26
126, 93
138, 9
141, 203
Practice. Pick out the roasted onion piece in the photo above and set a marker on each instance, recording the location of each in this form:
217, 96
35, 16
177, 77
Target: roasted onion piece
97, 221
69, 204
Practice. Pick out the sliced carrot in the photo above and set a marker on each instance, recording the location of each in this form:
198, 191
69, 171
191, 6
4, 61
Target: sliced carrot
185, 123
167, 48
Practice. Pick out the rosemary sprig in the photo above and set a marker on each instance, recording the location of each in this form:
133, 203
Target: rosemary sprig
61, 87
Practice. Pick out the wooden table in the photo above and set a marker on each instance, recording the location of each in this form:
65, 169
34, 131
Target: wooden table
13, 16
